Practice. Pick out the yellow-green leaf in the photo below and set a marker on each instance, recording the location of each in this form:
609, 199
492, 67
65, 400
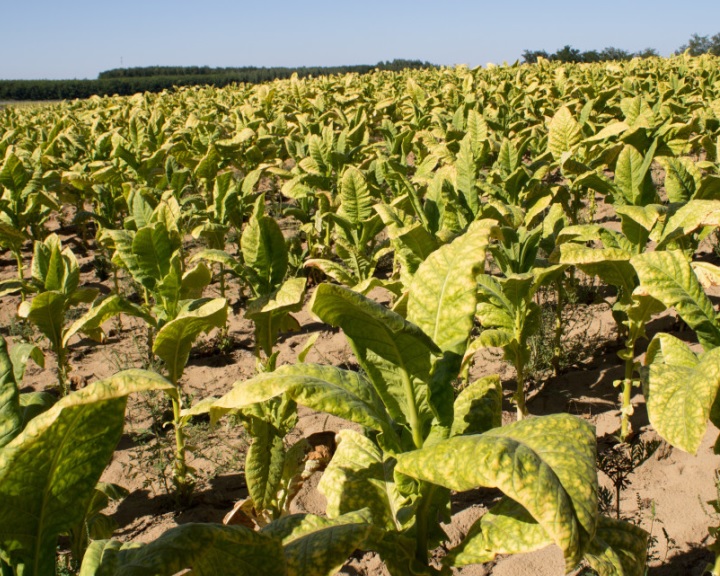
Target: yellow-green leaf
546, 464
564, 133
443, 297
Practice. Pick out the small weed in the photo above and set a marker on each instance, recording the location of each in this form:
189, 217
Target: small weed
154, 445
19, 329
65, 565
714, 531
577, 335
102, 267
618, 462
154, 451
652, 552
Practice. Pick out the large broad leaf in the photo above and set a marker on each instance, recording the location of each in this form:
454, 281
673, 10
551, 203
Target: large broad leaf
507, 528
682, 178
335, 270
466, 174
90, 323
219, 256
478, 408
443, 292
394, 353
618, 549
49, 471
563, 133
194, 281
356, 203
345, 394
413, 244
287, 298
202, 549
12, 237
19, 356
681, 391
270, 313
47, 312
121, 242
547, 465
638, 222
318, 546
175, 339
361, 476
10, 414
152, 247
264, 463
13, 174
494, 309
632, 177
264, 252
689, 218
668, 277
611, 265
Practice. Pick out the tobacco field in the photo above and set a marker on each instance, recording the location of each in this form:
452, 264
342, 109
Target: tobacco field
440, 321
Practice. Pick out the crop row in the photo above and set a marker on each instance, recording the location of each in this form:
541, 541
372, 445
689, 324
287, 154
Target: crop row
463, 194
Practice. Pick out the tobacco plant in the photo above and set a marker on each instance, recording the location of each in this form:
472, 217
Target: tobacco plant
56, 276
45, 492
623, 259
506, 309
176, 313
415, 427
355, 240
24, 206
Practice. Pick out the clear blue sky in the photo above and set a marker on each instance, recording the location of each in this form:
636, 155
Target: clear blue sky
79, 38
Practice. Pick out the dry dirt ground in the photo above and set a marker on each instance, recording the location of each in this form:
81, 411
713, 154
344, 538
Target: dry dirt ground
666, 494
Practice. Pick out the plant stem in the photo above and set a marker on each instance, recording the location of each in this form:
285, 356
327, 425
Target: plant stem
183, 484
421, 521
412, 407
557, 343
20, 271
222, 280
629, 356
150, 334
62, 369
520, 390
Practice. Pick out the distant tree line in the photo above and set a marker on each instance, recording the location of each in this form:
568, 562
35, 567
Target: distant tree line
570, 54
696, 46
127, 81
255, 73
